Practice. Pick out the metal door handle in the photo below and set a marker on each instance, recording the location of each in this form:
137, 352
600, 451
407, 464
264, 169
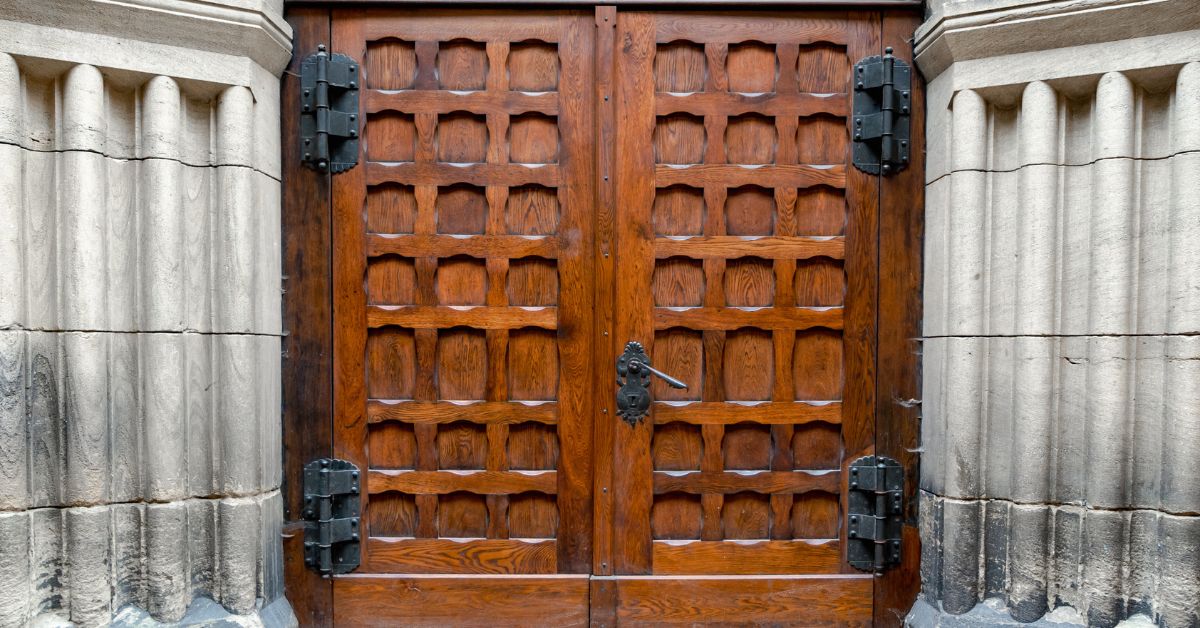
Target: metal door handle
633, 377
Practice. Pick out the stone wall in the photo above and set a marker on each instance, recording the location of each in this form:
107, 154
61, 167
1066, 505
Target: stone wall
139, 308
1061, 412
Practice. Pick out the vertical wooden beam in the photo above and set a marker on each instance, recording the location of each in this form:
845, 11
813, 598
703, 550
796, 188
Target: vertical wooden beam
898, 409
602, 336
307, 368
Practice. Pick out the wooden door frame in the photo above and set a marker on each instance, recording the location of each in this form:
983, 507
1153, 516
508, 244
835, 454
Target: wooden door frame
307, 365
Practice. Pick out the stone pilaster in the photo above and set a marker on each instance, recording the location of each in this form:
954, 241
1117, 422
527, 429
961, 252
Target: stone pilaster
139, 310
1061, 405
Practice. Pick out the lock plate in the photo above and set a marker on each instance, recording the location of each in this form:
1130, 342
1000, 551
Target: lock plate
633, 396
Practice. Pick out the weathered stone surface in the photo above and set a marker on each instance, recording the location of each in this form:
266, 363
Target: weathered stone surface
1061, 365
139, 311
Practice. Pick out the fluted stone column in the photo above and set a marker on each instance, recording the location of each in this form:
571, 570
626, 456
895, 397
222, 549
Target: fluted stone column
139, 311
1061, 409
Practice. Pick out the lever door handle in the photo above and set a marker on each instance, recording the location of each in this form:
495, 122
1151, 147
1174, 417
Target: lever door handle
633, 377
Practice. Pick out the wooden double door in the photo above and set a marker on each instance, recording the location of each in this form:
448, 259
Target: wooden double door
535, 189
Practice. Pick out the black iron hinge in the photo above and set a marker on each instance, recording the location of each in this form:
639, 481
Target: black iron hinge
882, 107
329, 111
331, 516
874, 520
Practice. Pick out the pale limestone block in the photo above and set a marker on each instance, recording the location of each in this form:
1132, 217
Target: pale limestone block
1183, 308
1035, 272
1111, 273
1070, 421
11, 105
15, 576
46, 443
196, 122
89, 579
269, 256
202, 541
238, 552
85, 418
1000, 254
964, 394
1107, 409
164, 411
163, 299
934, 295
41, 223
1034, 405
1185, 133
48, 564
14, 448
1181, 425
1151, 232
1179, 583
234, 250
121, 250
121, 121
235, 127
1144, 421
200, 382
82, 277
997, 436
161, 119
966, 250
933, 415
84, 125
197, 213
126, 421
270, 437
129, 555
237, 417
167, 575
12, 254
1141, 568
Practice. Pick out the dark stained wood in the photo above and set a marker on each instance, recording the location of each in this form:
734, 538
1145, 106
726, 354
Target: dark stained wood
445, 482
763, 557
488, 412
738, 175
451, 556
898, 418
782, 247
541, 186
732, 318
779, 601
307, 392
466, 601
759, 482
463, 303
476, 317
729, 413
731, 209
716, 103
605, 342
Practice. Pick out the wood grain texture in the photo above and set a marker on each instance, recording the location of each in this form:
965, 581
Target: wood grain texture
307, 387
782, 247
487, 412
454, 556
762, 601
467, 601
746, 558
724, 413
760, 482
446, 482
476, 317
901, 241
